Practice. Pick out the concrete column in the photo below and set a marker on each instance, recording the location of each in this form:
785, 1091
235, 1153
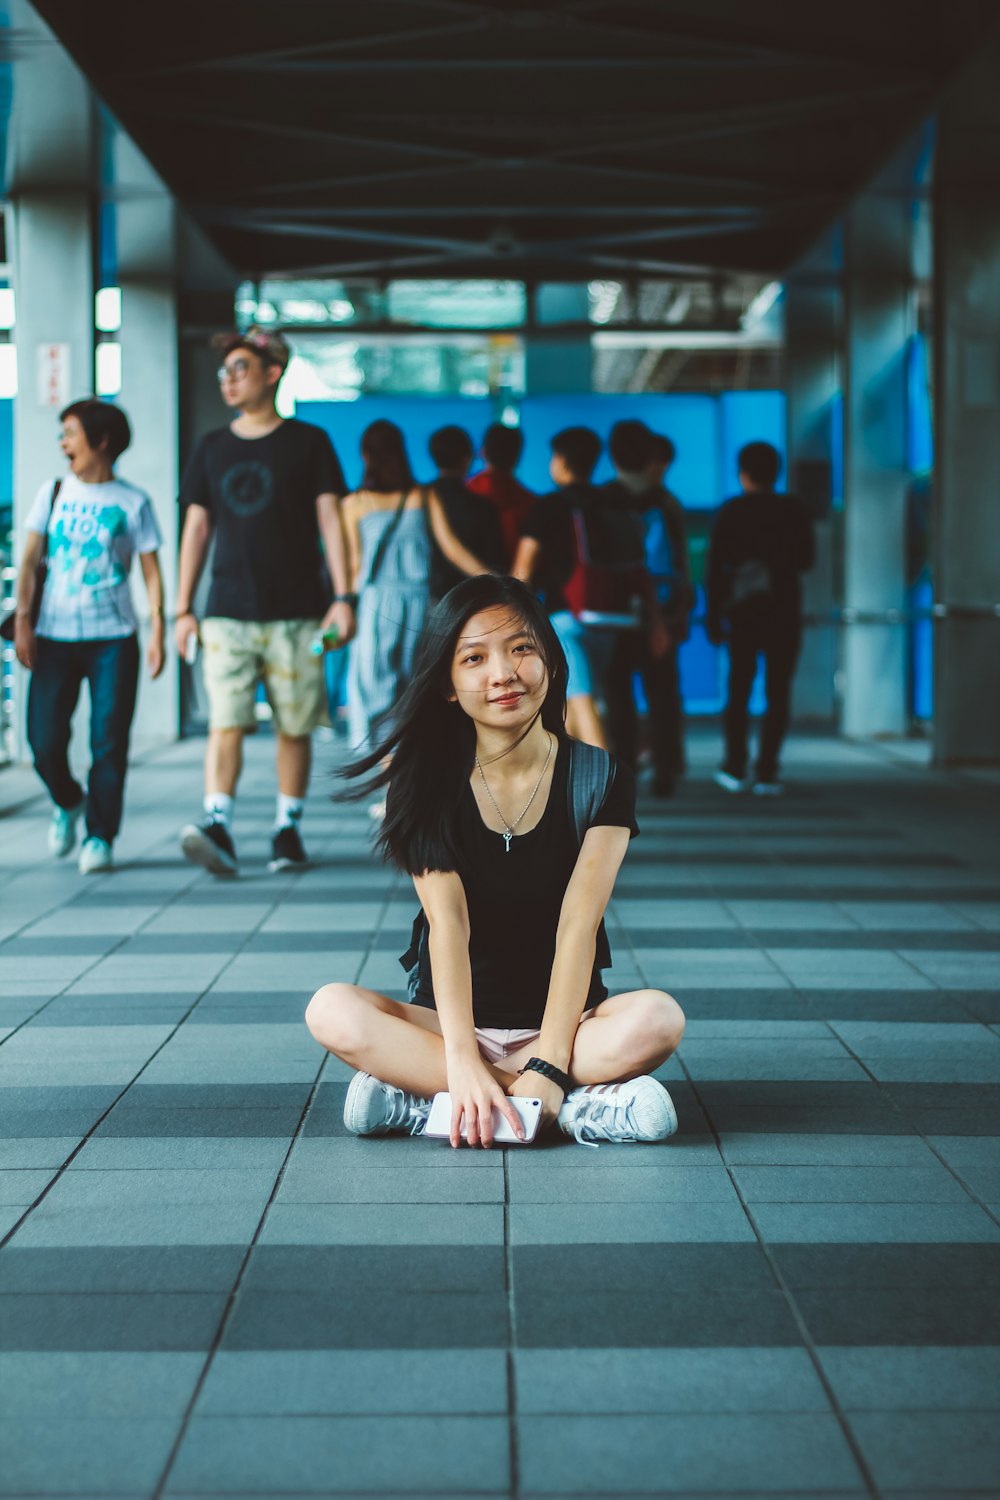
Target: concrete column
879, 320
967, 437
146, 251
50, 224
813, 307
553, 365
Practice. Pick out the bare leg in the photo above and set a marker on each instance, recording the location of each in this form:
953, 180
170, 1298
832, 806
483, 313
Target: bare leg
223, 760
398, 1044
626, 1036
294, 760
584, 722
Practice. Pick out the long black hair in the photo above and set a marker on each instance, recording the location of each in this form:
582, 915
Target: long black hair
433, 741
387, 465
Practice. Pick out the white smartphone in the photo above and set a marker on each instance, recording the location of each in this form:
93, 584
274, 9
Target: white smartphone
530, 1111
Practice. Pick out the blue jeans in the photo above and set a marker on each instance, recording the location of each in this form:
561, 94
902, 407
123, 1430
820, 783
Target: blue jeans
111, 672
588, 653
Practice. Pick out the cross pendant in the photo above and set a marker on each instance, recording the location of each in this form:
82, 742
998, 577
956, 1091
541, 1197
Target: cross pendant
507, 835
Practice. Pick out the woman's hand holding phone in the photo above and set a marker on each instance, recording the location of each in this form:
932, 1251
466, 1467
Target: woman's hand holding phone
475, 1094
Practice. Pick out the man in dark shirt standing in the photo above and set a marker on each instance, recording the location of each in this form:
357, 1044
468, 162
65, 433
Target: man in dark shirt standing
471, 517
269, 490
761, 543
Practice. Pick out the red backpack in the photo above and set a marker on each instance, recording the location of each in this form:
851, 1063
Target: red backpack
608, 583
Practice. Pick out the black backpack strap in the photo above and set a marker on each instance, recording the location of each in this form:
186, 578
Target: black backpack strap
590, 777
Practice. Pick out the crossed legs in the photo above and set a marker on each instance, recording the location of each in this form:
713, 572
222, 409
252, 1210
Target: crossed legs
626, 1036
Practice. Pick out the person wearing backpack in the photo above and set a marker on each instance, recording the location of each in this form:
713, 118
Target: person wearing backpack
761, 543
637, 455
513, 834
585, 554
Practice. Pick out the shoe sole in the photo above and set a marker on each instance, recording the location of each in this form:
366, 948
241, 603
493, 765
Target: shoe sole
354, 1088
279, 866
728, 786
200, 850
96, 869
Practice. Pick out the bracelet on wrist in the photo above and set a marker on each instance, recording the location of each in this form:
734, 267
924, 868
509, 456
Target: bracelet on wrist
351, 599
548, 1070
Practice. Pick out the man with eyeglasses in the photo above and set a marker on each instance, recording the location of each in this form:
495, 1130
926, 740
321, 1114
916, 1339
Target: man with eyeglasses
269, 490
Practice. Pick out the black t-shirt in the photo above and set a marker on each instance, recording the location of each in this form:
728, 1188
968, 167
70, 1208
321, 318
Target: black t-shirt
474, 520
514, 901
773, 529
261, 495
550, 524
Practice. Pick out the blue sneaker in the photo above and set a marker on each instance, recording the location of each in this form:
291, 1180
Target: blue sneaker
63, 829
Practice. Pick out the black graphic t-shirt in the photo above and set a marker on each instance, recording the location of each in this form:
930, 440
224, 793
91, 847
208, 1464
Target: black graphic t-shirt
261, 495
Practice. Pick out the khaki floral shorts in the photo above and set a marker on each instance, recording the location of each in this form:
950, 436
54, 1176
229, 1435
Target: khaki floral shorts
239, 654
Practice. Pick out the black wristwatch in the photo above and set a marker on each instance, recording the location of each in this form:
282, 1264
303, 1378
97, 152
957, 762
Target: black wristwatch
548, 1070
351, 599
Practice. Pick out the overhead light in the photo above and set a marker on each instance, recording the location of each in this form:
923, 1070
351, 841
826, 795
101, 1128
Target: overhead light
108, 369
108, 309
762, 303
8, 371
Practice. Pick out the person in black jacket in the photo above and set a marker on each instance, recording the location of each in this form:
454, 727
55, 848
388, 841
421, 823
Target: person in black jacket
472, 517
761, 543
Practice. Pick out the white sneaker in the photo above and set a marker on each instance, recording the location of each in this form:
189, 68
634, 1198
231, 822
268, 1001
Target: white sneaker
730, 783
768, 789
375, 1108
62, 830
95, 857
640, 1110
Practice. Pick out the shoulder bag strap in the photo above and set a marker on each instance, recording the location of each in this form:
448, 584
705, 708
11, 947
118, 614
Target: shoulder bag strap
591, 773
382, 546
56, 487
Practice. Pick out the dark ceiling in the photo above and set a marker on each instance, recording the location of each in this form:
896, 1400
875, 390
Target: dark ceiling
567, 140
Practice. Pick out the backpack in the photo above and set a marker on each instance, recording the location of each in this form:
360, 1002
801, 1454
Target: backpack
608, 581
589, 780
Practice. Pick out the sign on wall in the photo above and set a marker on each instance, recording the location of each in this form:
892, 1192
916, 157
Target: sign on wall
53, 372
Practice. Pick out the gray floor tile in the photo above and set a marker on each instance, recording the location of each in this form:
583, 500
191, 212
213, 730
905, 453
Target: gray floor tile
156, 1224
441, 1454
668, 1380
887, 1379
44, 1153
873, 1223
652, 1223
86, 1457
747, 1149
835, 1184
116, 1268
561, 1183
977, 1162
101, 1321
637, 1454
338, 1382
316, 1183
930, 1449
385, 1224
118, 1385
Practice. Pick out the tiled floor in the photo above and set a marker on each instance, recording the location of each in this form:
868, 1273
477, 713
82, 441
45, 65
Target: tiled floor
209, 1290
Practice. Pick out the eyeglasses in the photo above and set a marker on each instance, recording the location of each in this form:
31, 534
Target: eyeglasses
233, 371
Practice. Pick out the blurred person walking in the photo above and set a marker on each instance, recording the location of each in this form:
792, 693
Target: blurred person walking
269, 490
640, 461
761, 543
501, 449
474, 521
83, 532
584, 554
391, 524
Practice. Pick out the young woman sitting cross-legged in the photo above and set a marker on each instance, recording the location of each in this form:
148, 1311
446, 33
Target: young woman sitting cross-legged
513, 834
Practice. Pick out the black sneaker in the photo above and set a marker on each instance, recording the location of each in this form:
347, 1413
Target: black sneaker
209, 844
287, 852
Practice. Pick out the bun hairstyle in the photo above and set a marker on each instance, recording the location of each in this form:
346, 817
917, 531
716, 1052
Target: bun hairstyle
432, 742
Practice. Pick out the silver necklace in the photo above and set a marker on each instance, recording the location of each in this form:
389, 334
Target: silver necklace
508, 828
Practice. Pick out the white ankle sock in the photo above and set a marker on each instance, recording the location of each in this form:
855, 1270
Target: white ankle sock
219, 805
289, 811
